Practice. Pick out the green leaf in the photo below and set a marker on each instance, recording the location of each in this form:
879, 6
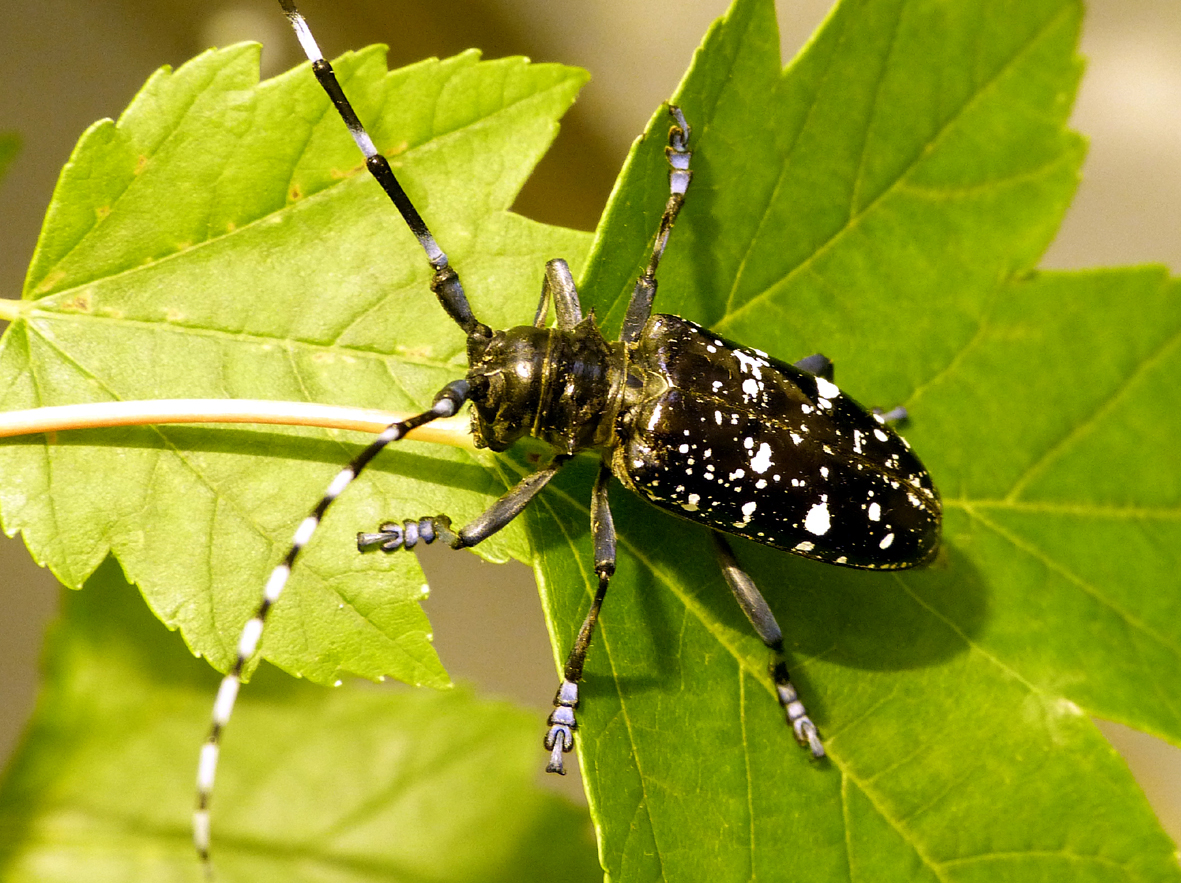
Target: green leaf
883, 200
223, 240
102, 786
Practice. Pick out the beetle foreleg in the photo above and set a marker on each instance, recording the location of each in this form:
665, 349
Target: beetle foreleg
560, 737
755, 607
392, 536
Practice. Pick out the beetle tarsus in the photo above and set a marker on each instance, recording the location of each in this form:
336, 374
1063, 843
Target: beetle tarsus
392, 536
559, 739
797, 718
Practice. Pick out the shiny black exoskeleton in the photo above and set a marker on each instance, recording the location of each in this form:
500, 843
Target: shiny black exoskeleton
716, 433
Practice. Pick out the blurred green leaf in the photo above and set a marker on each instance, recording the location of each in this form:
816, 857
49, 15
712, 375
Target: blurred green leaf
354, 784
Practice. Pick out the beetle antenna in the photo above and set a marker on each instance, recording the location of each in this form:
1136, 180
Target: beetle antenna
445, 284
446, 404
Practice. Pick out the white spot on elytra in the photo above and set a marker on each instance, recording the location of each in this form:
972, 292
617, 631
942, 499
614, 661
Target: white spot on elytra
880, 436
654, 420
684, 449
817, 521
826, 388
750, 388
875, 512
761, 461
805, 546
886, 541
749, 364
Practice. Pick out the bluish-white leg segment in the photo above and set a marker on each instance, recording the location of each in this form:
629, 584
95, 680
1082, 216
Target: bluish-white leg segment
751, 600
446, 404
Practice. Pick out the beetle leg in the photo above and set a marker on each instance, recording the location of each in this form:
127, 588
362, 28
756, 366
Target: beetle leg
392, 536
755, 607
559, 739
816, 364
894, 415
558, 285
639, 308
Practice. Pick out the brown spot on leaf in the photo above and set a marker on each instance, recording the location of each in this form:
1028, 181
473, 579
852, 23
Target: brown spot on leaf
79, 303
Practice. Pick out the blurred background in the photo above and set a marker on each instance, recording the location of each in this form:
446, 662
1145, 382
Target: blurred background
67, 63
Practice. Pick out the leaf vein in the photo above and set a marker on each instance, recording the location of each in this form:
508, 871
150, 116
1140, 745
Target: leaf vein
1083, 585
1118, 394
757, 300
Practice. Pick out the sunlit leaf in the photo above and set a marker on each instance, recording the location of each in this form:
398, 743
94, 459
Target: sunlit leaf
885, 201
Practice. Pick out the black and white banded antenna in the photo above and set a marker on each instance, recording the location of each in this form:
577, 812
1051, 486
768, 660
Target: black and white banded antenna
449, 290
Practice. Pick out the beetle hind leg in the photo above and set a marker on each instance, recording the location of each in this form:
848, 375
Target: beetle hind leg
755, 607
